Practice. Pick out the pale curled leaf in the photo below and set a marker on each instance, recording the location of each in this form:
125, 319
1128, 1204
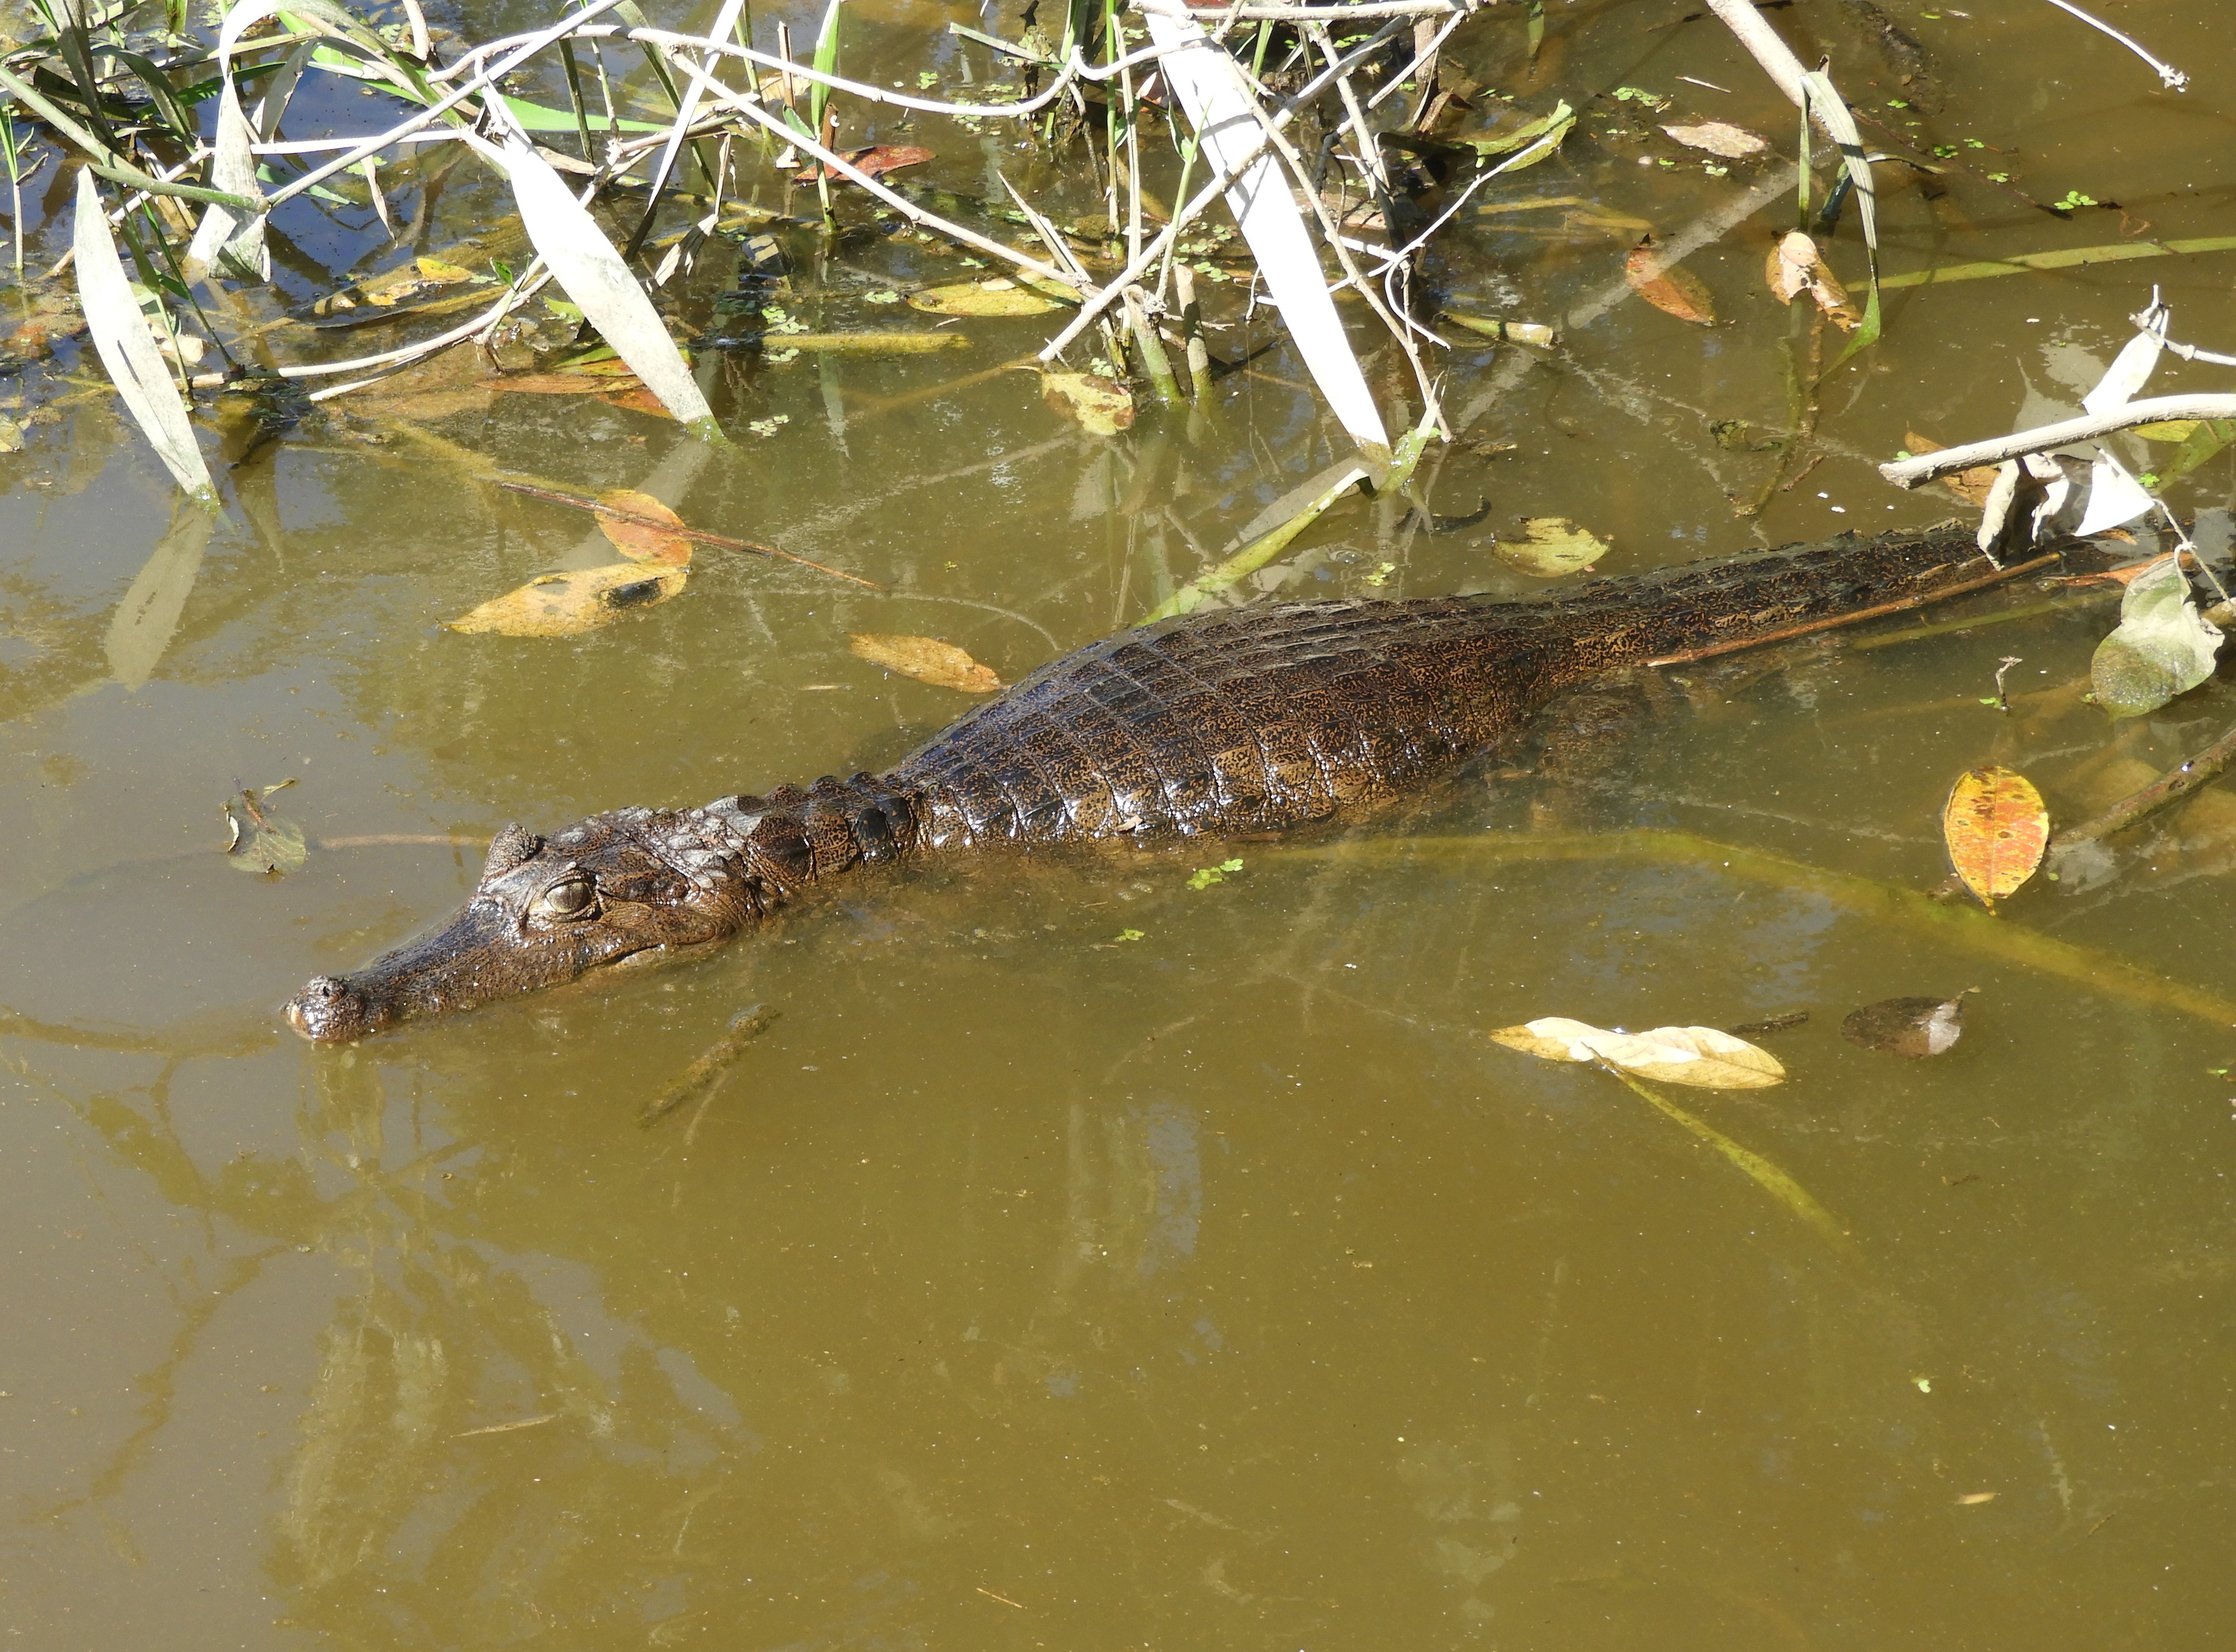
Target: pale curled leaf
2127, 374
927, 660
120, 333
1703, 1058
592, 272
1996, 826
571, 604
2162, 646
2114, 497
1102, 406
1796, 266
1670, 288
1718, 137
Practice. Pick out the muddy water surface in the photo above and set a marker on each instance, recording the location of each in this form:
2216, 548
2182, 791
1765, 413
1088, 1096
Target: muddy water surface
1221, 1286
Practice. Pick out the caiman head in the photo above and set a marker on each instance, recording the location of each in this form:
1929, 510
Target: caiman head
633, 886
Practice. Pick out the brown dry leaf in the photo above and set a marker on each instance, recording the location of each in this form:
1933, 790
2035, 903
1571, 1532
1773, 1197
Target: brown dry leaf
1102, 406
927, 660
1796, 266
1996, 827
1911, 1027
1718, 137
1704, 1057
876, 162
640, 541
569, 604
1971, 486
998, 297
638, 399
1672, 288
549, 384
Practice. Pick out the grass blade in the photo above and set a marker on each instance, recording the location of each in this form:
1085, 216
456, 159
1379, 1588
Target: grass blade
591, 270
120, 333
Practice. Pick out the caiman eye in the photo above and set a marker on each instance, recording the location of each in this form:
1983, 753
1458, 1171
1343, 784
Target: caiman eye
573, 899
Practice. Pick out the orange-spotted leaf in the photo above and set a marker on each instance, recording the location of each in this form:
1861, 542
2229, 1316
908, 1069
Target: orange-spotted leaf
1996, 828
642, 534
1670, 288
569, 604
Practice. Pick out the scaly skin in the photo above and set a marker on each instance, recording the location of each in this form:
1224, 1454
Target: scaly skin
1230, 722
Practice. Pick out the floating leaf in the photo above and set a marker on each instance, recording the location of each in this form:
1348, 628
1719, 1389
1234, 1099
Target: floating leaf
1911, 1027
1204, 877
637, 398
642, 541
927, 660
1796, 266
1103, 406
998, 297
120, 333
1704, 1057
2114, 497
1995, 827
1670, 288
1551, 546
2163, 646
1528, 144
571, 604
875, 162
1718, 137
2166, 430
1973, 486
261, 840
887, 344
1534, 332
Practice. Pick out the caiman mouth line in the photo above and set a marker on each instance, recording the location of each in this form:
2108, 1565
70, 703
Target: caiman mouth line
1224, 724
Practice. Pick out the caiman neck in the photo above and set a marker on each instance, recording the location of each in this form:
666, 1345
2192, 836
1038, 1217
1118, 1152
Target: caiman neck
794, 838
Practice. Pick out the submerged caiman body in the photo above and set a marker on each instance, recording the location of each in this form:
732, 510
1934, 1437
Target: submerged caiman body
1233, 722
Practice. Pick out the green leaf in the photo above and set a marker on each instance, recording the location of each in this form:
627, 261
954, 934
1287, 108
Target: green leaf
2163, 646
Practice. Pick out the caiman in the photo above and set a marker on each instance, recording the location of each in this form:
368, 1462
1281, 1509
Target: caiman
1223, 723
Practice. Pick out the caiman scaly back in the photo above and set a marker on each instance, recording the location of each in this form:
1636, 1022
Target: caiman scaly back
1225, 723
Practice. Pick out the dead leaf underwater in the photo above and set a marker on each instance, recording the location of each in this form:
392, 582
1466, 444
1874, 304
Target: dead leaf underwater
1098, 406
1551, 546
1996, 827
643, 540
1911, 1027
1670, 288
997, 297
927, 660
1719, 137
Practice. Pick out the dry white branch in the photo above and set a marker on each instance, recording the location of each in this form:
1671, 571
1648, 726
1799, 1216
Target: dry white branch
2173, 78
2043, 438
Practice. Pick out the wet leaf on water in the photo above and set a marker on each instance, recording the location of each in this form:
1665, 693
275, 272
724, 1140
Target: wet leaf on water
997, 297
1796, 266
1704, 1057
259, 840
927, 660
1973, 486
1101, 406
875, 162
1996, 826
2114, 497
637, 398
570, 604
1670, 288
2162, 646
1534, 332
1527, 144
643, 542
1911, 1027
1204, 877
889, 343
1551, 546
1718, 137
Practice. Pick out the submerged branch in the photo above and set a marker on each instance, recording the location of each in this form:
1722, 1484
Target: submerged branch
2168, 789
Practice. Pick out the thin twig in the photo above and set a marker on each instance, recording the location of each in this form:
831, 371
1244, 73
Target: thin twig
2174, 79
2154, 409
2169, 788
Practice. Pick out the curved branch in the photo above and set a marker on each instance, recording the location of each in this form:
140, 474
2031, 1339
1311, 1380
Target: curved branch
2154, 409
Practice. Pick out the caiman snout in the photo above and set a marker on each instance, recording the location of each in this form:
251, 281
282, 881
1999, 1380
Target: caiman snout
329, 1009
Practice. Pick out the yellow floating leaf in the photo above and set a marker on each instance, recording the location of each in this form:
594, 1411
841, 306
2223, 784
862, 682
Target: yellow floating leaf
1670, 288
1996, 828
996, 297
569, 604
437, 272
881, 344
1102, 406
927, 660
1704, 1057
642, 541
2167, 429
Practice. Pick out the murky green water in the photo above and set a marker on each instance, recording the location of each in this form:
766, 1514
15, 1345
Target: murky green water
1025, 1286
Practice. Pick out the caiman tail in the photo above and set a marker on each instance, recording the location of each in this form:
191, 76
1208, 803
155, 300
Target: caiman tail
1227, 723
